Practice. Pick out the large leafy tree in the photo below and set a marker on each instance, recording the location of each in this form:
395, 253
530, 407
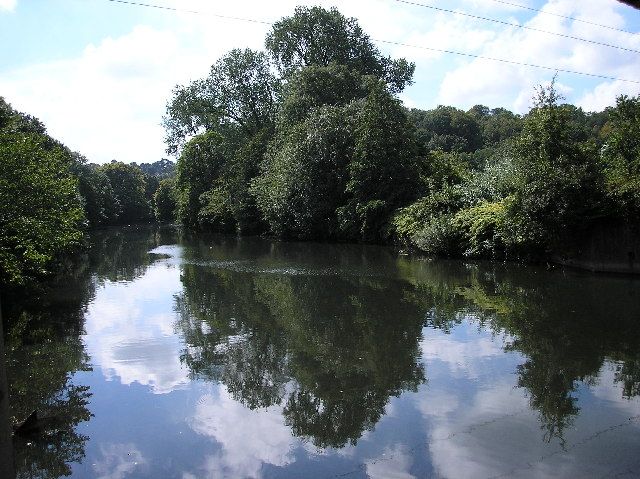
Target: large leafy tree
231, 113
340, 161
199, 167
557, 186
304, 175
290, 137
316, 86
316, 36
41, 214
237, 98
380, 171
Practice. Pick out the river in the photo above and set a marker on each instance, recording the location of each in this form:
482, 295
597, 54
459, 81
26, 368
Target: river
178, 357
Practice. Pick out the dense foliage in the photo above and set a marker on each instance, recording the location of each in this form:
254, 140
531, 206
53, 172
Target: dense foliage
308, 140
41, 213
557, 174
50, 195
325, 150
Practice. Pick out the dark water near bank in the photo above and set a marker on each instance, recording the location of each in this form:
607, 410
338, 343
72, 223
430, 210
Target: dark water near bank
170, 357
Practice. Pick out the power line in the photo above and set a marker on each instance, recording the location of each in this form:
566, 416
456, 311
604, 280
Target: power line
502, 60
183, 10
566, 17
389, 42
502, 22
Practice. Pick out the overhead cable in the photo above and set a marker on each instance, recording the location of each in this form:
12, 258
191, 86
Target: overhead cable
183, 10
566, 17
515, 25
389, 42
502, 60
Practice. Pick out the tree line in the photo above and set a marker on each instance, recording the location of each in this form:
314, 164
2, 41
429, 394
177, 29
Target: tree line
308, 140
50, 195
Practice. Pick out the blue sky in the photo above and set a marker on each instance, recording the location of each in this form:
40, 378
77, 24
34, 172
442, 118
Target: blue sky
99, 73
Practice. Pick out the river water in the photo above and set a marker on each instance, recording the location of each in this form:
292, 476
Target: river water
168, 356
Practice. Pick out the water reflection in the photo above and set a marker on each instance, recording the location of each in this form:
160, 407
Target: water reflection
43, 352
329, 349
224, 357
564, 325
44, 349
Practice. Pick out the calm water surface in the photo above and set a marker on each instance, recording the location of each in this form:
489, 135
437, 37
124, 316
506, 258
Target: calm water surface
174, 357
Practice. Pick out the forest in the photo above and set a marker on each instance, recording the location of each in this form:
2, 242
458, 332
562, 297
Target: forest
308, 140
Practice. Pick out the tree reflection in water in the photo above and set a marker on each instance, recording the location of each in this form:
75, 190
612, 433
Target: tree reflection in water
329, 333
44, 348
558, 322
330, 350
332, 344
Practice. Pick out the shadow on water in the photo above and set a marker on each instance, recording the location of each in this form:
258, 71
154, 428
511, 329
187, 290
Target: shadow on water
42, 329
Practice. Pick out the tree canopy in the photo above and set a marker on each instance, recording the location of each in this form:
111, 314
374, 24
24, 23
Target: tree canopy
41, 214
316, 36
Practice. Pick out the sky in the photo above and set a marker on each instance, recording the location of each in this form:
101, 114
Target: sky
99, 73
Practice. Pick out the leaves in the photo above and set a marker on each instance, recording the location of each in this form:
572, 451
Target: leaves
41, 215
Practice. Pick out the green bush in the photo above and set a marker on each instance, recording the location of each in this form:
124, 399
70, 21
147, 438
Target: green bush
483, 227
440, 236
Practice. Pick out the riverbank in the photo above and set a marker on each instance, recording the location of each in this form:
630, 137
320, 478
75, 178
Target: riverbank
608, 248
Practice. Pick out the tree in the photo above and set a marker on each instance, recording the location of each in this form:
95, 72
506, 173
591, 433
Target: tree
240, 93
380, 171
160, 169
99, 201
129, 188
304, 174
497, 125
164, 200
340, 160
315, 36
446, 128
198, 168
41, 215
621, 157
315, 86
557, 186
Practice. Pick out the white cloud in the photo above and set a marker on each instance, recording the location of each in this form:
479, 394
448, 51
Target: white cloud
118, 461
611, 391
129, 342
248, 438
463, 358
8, 5
487, 428
497, 5
394, 463
108, 102
605, 95
492, 83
